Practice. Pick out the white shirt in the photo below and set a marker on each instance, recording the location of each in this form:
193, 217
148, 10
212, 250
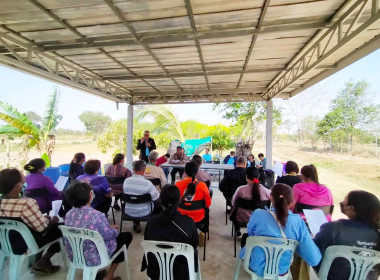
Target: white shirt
138, 185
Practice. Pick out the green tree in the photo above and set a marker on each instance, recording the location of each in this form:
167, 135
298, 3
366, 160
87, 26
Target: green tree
350, 112
193, 129
114, 138
95, 122
165, 121
20, 125
250, 115
221, 139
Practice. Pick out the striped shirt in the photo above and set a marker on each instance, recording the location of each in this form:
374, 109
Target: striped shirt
25, 208
138, 185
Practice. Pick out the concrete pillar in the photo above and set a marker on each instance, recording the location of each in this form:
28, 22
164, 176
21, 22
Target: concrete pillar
129, 154
268, 138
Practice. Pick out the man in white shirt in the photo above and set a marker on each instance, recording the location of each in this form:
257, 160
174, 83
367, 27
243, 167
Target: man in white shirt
138, 185
154, 172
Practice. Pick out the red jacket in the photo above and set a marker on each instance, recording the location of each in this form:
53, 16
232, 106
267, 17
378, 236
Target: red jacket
161, 160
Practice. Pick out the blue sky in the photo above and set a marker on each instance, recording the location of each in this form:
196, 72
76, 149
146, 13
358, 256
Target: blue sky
29, 93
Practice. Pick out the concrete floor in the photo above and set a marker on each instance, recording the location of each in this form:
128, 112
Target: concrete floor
219, 264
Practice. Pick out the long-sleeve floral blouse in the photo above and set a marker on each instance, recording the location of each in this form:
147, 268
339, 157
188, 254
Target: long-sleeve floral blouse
89, 218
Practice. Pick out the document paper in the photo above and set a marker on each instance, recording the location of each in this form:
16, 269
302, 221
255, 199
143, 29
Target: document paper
61, 182
315, 218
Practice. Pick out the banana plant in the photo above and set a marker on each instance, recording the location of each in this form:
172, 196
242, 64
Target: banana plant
165, 121
20, 125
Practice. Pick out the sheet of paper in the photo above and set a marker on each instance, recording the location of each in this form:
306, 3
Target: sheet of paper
61, 182
277, 168
55, 206
315, 218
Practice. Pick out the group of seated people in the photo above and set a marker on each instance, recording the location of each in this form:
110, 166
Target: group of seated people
88, 200
284, 221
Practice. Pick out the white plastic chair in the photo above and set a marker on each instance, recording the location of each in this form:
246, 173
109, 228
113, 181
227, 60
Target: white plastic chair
166, 252
362, 260
76, 238
17, 261
273, 248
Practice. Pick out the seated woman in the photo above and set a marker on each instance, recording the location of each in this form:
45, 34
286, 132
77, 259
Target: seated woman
79, 194
117, 169
103, 194
253, 191
193, 190
360, 230
40, 187
291, 178
76, 168
174, 227
44, 229
310, 191
276, 223
251, 161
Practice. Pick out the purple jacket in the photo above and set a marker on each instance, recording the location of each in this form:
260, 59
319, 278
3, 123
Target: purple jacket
40, 181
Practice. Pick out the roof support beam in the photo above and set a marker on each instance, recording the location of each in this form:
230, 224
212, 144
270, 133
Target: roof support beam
196, 98
88, 41
160, 37
193, 74
329, 41
35, 62
130, 28
371, 46
196, 39
253, 41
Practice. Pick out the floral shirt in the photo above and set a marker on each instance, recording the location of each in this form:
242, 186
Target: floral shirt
89, 218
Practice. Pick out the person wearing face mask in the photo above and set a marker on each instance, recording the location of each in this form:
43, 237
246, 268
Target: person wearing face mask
40, 187
80, 195
43, 228
361, 229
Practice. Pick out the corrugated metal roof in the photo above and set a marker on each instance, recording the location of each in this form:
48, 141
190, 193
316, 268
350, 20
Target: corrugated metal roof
170, 51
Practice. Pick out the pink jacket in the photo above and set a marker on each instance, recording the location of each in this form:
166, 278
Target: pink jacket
312, 194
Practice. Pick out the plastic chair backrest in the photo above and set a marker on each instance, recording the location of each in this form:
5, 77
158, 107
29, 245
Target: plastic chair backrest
6, 226
155, 181
273, 248
250, 205
361, 260
115, 180
327, 209
166, 252
135, 199
76, 238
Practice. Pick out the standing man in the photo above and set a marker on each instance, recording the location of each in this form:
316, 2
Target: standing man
207, 157
145, 145
178, 158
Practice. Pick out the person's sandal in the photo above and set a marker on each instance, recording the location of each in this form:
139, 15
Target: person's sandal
201, 239
116, 207
46, 270
100, 275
